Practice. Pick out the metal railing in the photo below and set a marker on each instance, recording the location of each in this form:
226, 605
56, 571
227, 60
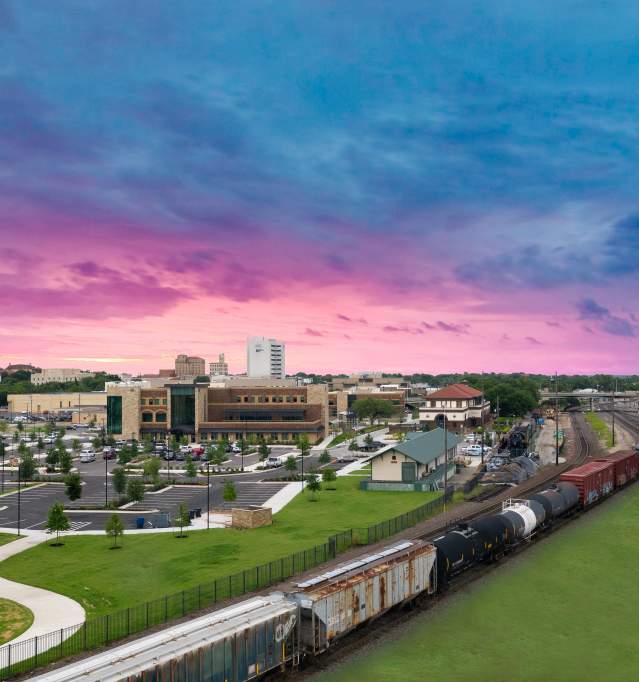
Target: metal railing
100, 631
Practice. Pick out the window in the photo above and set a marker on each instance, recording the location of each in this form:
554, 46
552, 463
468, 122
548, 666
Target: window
142, 401
160, 417
147, 417
114, 414
433, 403
459, 403
163, 401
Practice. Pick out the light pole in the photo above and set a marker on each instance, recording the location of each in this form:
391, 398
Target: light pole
556, 421
208, 493
445, 466
613, 414
18, 498
106, 481
2, 446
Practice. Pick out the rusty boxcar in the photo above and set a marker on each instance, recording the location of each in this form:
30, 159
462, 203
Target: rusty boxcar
626, 465
334, 603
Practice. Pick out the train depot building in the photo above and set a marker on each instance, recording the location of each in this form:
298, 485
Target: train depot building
418, 463
203, 413
459, 405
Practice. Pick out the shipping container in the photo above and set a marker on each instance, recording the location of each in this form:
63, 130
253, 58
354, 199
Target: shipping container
234, 644
334, 603
593, 480
626, 463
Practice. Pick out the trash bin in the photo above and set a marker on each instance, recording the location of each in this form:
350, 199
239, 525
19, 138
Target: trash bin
191, 514
139, 522
198, 512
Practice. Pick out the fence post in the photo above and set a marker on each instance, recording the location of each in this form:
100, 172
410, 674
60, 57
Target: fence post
61, 640
85, 635
36, 651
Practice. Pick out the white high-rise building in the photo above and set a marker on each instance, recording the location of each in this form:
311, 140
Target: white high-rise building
265, 358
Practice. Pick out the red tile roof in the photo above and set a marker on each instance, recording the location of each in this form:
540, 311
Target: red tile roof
455, 392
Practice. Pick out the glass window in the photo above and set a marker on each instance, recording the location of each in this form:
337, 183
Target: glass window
160, 417
163, 401
147, 417
142, 401
114, 414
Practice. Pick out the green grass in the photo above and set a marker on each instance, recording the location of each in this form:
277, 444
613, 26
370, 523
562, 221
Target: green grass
565, 610
600, 428
149, 566
6, 538
14, 619
351, 434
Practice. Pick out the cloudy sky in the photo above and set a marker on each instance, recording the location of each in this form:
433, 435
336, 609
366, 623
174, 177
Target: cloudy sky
404, 186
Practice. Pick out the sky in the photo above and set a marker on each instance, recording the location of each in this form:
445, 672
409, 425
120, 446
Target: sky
415, 187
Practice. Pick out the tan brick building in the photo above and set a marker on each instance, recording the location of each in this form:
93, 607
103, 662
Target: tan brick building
204, 413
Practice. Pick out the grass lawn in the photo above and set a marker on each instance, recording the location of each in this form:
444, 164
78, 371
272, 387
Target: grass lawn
148, 566
14, 620
600, 428
565, 610
6, 538
351, 434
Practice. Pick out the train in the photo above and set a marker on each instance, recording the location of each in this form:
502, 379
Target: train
275, 631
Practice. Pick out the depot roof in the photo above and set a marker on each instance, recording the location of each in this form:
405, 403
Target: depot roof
456, 391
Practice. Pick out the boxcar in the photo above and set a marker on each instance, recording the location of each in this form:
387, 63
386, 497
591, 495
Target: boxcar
593, 480
336, 602
234, 644
626, 463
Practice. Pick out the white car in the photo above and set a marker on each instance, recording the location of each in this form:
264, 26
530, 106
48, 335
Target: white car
88, 456
476, 449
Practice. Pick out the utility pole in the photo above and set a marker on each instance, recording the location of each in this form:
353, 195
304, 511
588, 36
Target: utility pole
208, 493
613, 413
445, 464
19, 498
106, 481
556, 421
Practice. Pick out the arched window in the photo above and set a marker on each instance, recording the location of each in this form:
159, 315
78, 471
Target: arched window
160, 417
147, 417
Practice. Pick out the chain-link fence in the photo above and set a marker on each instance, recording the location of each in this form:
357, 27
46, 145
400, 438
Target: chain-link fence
100, 631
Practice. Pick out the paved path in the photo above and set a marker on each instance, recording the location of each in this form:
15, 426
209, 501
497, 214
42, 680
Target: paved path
51, 611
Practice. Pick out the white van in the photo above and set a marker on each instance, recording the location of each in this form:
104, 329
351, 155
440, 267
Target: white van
87, 446
86, 457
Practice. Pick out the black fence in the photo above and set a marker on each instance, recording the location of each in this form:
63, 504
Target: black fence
101, 631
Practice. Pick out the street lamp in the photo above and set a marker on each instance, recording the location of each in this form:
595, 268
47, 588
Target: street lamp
208, 493
19, 498
2, 447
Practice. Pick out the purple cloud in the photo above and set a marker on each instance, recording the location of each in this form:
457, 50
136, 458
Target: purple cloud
392, 329
313, 332
589, 309
552, 324
533, 341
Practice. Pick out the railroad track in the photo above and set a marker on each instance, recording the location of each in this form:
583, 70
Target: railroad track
630, 422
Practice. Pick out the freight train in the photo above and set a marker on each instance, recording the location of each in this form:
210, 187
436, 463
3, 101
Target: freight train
271, 632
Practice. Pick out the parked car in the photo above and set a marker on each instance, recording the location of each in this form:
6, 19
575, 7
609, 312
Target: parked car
476, 449
168, 456
109, 453
346, 459
87, 456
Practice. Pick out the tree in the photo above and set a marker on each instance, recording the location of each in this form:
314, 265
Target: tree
49, 428
148, 445
191, 469
152, 469
65, 461
27, 466
219, 454
229, 493
368, 440
303, 445
184, 440
119, 480
324, 457
4, 427
125, 455
40, 444
372, 408
135, 490
264, 450
73, 486
352, 446
52, 459
20, 427
290, 465
76, 446
329, 477
313, 484
97, 443
114, 529
57, 522
182, 519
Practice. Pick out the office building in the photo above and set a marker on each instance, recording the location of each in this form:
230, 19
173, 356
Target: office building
62, 375
219, 368
189, 366
265, 357
203, 413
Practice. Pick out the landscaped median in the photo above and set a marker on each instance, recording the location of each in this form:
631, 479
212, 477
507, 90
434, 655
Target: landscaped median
600, 428
155, 578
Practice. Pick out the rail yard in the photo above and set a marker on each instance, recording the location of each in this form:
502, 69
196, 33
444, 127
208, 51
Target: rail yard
322, 611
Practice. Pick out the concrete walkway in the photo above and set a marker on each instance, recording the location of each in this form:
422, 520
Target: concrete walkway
52, 612
284, 496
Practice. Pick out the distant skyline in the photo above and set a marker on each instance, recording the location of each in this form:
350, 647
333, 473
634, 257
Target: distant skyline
383, 186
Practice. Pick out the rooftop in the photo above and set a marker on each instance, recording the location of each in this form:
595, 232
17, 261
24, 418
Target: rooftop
422, 447
456, 391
